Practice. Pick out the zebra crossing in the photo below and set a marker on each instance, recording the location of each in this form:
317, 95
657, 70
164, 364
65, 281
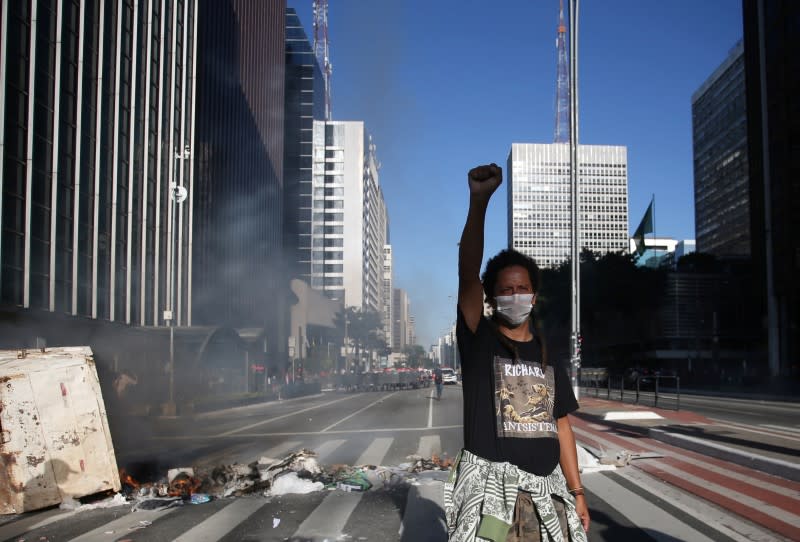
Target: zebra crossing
673, 494
769, 503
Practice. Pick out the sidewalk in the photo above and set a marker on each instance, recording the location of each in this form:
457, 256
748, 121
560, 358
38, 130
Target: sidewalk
768, 450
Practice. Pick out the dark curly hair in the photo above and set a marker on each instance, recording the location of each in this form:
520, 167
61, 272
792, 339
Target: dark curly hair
507, 258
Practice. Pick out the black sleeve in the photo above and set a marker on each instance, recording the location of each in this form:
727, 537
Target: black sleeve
468, 341
565, 397
462, 329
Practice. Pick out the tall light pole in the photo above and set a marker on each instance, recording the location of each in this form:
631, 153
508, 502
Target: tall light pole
177, 195
575, 193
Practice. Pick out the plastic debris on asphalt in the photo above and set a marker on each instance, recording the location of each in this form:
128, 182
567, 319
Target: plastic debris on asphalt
292, 483
297, 472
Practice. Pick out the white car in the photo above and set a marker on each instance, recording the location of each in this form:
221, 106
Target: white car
449, 376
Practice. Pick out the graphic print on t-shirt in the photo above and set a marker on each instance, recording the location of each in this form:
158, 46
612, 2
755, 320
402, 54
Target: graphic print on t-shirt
524, 398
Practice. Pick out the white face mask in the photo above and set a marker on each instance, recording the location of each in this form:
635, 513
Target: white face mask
515, 309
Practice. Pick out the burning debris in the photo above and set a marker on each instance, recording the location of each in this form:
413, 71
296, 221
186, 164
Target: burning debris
298, 472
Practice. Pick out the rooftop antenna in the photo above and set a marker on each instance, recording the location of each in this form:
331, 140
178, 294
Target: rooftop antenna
321, 49
562, 84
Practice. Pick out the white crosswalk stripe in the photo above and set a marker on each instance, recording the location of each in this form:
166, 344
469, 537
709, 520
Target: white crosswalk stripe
375, 452
16, 529
327, 448
223, 522
329, 518
658, 523
430, 445
128, 524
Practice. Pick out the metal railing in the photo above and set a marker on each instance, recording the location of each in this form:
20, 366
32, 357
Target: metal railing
637, 392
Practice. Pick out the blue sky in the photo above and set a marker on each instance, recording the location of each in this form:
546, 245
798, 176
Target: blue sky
444, 85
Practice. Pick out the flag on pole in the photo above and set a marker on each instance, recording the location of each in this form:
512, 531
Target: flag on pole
645, 226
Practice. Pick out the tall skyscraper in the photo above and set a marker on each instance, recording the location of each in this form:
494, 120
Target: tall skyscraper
539, 200
772, 74
238, 271
96, 99
719, 134
305, 102
349, 220
388, 297
401, 308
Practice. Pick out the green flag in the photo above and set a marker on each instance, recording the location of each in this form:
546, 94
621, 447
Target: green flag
645, 226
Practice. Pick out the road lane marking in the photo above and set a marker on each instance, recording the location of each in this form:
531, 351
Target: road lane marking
429, 445
791, 408
14, 530
742, 427
424, 519
329, 518
646, 516
782, 428
375, 452
359, 411
127, 524
218, 525
289, 415
325, 449
430, 410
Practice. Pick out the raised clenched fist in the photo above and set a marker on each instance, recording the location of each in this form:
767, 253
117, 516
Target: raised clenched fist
484, 180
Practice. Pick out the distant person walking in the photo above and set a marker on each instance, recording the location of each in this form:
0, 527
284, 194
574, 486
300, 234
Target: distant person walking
438, 379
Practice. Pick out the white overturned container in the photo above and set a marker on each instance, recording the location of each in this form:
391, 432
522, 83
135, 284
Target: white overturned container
54, 436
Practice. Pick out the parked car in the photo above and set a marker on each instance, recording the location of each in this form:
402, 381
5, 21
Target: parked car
449, 376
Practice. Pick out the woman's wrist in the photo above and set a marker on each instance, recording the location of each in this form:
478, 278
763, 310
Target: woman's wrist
576, 491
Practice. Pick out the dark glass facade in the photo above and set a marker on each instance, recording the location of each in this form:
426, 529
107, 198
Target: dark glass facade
772, 58
239, 276
304, 103
96, 94
719, 134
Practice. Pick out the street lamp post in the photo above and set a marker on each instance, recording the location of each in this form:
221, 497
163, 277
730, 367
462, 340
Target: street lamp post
178, 194
575, 192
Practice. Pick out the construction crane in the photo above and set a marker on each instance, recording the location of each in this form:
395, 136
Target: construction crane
562, 83
321, 49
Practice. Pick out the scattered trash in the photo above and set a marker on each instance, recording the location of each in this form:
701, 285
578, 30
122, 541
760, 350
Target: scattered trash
200, 498
621, 459
589, 463
142, 524
298, 473
157, 503
292, 483
68, 503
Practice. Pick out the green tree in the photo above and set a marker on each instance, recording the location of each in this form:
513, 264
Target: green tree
415, 355
361, 329
619, 307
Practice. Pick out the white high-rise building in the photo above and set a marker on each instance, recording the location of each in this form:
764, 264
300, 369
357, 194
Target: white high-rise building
349, 218
539, 200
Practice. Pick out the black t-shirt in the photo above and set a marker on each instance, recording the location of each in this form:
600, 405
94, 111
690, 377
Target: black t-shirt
510, 409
